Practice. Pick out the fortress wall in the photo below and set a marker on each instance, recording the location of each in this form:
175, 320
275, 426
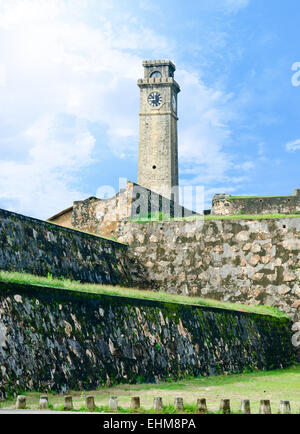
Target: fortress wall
249, 261
60, 340
227, 205
102, 216
33, 246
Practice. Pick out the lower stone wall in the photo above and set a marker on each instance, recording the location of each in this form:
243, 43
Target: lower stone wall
33, 246
61, 340
248, 261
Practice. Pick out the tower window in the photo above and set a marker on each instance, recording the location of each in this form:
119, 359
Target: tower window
154, 167
155, 74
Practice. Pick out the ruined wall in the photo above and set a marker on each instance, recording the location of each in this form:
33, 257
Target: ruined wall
229, 205
249, 261
63, 218
102, 216
33, 246
61, 340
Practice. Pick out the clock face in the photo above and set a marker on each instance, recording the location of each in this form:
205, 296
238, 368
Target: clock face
154, 99
174, 102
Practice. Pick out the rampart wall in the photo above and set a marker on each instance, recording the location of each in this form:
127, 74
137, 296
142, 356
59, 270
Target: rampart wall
37, 247
248, 261
102, 216
230, 205
59, 340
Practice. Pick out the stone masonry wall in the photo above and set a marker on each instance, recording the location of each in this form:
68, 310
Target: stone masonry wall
102, 216
249, 261
59, 340
229, 205
33, 246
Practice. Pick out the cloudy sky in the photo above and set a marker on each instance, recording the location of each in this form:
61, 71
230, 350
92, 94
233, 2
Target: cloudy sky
69, 101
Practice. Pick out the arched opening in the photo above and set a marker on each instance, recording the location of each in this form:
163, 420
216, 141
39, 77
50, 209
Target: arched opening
155, 74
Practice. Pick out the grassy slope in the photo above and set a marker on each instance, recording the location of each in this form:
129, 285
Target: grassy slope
49, 281
273, 385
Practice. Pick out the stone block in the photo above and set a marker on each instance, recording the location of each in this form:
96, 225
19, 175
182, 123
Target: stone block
90, 402
178, 404
135, 402
21, 402
44, 402
265, 407
158, 403
68, 403
113, 403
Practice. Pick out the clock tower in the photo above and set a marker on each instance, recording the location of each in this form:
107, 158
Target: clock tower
158, 142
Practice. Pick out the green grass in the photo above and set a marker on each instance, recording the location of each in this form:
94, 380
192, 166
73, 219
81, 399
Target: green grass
276, 385
66, 284
256, 197
251, 217
216, 217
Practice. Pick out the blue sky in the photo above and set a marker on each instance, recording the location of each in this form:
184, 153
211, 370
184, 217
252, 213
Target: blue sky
69, 101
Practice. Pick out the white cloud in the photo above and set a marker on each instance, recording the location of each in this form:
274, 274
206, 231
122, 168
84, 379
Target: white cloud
293, 146
246, 166
56, 64
43, 180
235, 5
204, 114
3, 77
68, 63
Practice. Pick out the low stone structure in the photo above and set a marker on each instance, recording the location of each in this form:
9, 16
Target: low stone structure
59, 340
101, 216
225, 204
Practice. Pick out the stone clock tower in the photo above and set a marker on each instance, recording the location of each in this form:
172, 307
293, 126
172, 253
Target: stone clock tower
158, 147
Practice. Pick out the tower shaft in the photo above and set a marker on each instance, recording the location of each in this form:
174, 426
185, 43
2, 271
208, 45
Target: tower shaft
158, 140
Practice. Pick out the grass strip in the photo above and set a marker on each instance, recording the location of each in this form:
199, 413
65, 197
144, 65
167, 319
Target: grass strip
63, 283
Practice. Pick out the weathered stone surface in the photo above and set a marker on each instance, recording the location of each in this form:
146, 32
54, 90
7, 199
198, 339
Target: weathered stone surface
225, 406
116, 339
101, 216
201, 405
178, 404
44, 402
113, 403
68, 403
90, 402
187, 257
158, 148
285, 407
21, 402
259, 263
229, 205
265, 407
135, 402
158, 403
33, 246
245, 406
